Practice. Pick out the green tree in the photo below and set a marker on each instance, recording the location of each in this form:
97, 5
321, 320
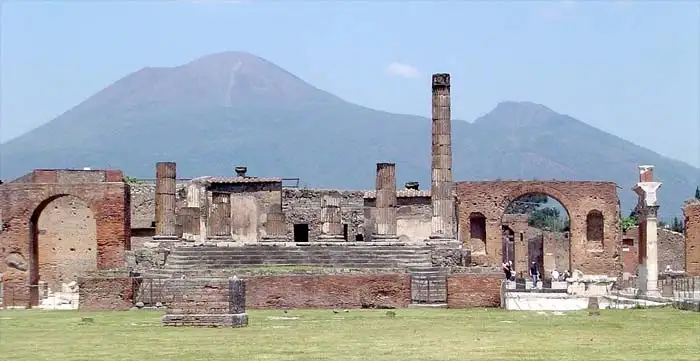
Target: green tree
697, 192
549, 219
526, 204
630, 221
677, 225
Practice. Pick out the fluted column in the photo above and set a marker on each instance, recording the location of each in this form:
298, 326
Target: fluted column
443, 225
331, 218
385, 219
166, 174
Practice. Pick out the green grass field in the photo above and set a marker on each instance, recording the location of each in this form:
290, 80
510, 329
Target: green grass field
367, 335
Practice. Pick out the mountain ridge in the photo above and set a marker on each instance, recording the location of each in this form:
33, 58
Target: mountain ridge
262, 116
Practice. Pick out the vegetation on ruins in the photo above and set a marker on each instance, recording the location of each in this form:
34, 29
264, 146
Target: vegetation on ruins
130, 180
413, 334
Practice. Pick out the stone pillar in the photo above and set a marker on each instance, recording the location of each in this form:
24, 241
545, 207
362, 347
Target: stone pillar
647, 210
275, 226
331, 218
691, 229
166, 183
385, 219
443, 218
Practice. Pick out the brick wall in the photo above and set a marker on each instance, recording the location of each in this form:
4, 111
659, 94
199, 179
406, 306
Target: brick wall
670, 249
579, 198
200, 297
22, 204
472, 290
105, 293
328, 291
692, 238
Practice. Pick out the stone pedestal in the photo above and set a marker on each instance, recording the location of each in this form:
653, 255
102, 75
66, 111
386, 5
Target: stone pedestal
385, 219
208, 304
443, 222
647, 210
331, 218
166, 173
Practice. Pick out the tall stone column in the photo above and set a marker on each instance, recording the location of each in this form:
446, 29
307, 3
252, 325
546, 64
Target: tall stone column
443, 218
385, 219
166, 173
647, 210
331, 218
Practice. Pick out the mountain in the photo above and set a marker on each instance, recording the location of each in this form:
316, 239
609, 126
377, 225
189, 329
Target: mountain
234, 108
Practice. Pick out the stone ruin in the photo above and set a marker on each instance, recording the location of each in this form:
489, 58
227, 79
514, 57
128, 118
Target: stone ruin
208, 303
217, 226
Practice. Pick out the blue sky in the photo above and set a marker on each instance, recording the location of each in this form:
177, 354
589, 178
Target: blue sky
628, 68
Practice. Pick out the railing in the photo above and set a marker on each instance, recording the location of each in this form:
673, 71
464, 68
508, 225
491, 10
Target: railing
286, 182
149, 291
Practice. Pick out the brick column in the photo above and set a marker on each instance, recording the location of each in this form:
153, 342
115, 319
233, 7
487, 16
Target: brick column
166, 173
331, 218
385, 220
691, 213
443, 218
647, 210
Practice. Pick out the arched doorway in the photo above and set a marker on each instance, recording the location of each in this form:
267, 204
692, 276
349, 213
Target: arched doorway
535, 228
63, 244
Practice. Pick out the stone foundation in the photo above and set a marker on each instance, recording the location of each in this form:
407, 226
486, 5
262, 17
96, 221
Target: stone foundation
204, 320
590, 286
208, 303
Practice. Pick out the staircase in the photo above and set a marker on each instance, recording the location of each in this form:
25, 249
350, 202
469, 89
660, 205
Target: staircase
210, 259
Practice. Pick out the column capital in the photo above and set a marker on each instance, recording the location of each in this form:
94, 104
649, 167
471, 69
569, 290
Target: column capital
647, 192
441, 80
648, 211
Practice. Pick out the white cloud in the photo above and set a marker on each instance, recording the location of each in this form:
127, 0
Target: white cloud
402, 70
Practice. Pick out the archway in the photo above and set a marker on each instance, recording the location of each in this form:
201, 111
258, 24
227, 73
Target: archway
63, 244
535, 228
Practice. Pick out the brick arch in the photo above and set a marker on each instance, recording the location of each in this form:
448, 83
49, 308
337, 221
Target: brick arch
21, 203
528, 189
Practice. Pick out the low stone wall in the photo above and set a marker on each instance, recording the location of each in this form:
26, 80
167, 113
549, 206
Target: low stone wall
329, 291
105, 293
474, 290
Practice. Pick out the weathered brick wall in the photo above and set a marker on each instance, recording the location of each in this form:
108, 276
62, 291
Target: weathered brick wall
67, 241
670, 249
692, 238
199, 297
579, 198
303, 206
23, 203
474, 290
328, 291
105, 293
413, 215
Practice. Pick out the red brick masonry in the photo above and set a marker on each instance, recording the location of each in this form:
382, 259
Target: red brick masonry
315, 291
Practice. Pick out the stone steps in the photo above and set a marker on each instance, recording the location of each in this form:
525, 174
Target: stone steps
379, 256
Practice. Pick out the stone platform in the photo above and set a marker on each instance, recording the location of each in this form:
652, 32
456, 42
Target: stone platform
207, 303
206, 320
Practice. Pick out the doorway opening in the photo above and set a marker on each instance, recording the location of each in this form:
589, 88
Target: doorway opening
301, 232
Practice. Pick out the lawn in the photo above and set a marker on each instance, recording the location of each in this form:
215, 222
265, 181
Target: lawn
367, 335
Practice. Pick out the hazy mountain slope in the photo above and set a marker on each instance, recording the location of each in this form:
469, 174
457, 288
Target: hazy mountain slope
234, 108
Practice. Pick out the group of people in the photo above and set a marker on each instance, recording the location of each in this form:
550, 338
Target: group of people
534, 273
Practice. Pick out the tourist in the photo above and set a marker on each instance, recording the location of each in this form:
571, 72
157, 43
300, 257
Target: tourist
508, 270
555, 275
535, 274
